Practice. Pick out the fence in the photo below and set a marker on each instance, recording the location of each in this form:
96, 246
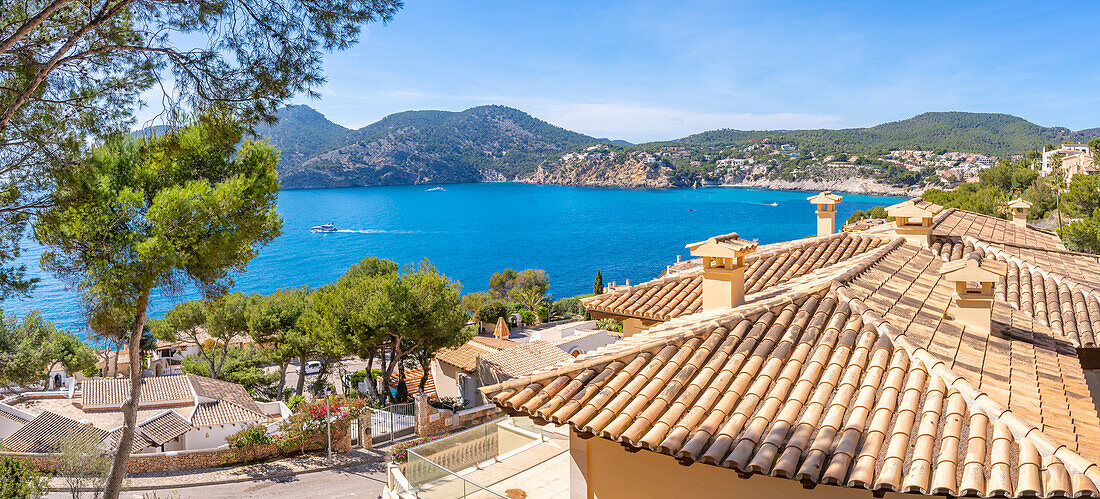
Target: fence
393, 422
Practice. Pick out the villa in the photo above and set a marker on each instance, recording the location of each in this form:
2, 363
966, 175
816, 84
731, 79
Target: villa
945, 353
184, 412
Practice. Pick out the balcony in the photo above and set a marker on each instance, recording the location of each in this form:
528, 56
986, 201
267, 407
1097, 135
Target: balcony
506, 458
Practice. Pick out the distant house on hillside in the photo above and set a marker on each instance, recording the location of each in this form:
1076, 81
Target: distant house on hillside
1067, 150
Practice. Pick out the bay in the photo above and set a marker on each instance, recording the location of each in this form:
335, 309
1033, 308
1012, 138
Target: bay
470, 231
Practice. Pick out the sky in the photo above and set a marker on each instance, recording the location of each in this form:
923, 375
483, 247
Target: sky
649, 70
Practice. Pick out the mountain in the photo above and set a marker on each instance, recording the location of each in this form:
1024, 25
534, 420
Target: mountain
501, 143
301, 133
984, 133
416, 147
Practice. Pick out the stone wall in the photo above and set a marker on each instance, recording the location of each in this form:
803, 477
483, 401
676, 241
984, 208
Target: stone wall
431, 421
205, 458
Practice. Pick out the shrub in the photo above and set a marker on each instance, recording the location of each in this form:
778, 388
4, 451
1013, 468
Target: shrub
293, 401
358, 377
567, 307
491, 312
527, 316
19, 480
249, 437
401, 451
610, 325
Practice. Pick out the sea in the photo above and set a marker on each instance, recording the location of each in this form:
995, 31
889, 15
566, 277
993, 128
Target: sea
470, 231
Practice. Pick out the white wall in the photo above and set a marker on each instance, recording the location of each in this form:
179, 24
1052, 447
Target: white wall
209, 437
446, 380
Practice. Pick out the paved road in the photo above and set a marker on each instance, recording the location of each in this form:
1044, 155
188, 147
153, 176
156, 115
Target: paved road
362, 481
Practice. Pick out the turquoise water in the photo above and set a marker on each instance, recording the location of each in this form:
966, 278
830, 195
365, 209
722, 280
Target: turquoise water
472, 230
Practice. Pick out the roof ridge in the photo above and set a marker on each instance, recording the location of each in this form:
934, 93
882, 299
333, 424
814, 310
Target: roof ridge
1070, 282
974, 397
660, 336
813, 282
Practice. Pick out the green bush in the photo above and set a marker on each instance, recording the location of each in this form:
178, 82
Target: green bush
567, 307
610, 325
293, 401
18, 480
491, 312
527, 316
249, 437
357, 377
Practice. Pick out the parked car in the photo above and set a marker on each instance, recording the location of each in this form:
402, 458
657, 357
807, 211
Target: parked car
313, 367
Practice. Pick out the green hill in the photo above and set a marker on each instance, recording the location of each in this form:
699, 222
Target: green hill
983, 133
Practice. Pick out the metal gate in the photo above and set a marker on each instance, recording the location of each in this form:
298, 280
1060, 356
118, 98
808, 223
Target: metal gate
353, 433
392, 423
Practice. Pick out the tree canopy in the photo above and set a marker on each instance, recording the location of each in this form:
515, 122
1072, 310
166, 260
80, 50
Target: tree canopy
188, 207
72, 70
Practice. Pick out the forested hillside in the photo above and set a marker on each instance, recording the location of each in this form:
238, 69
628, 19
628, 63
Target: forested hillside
983, 133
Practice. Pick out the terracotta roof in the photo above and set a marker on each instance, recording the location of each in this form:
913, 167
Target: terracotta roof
45, 431
223, 412
465, 356
412, 380
111, 392
165, 427
522, 359
679, 294
13, 417
854, 375
223, 390
958, 223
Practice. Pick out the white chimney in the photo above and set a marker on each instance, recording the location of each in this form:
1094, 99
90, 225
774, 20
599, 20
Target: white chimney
723, 269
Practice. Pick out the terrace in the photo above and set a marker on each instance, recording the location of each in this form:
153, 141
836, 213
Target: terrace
507, 458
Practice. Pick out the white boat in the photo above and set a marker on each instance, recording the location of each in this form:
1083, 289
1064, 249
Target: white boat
436, 189
323, 228
773, 203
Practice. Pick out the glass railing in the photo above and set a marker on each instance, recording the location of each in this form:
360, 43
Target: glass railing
445, 484
446, 468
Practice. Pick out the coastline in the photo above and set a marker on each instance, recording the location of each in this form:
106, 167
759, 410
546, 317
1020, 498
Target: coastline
851, 186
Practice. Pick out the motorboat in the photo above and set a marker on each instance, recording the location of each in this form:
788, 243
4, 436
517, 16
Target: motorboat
323, 228
436, 189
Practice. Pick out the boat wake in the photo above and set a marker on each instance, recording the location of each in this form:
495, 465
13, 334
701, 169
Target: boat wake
378, 231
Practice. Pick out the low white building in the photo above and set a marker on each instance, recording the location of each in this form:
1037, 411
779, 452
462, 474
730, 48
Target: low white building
185, 412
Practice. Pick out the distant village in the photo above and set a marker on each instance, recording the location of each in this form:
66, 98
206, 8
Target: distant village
766, 160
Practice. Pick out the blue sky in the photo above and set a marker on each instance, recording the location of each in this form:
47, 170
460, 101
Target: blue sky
659, 70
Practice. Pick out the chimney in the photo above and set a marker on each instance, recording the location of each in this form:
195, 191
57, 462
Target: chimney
913, 220
826, 212
723, 269
974, 278
1019, 207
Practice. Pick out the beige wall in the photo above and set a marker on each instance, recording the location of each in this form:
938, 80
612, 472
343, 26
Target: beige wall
611, 472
